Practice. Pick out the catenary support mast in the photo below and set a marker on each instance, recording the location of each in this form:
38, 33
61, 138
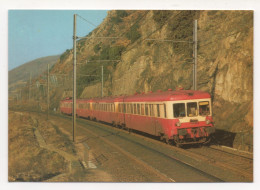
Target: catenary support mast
74, 79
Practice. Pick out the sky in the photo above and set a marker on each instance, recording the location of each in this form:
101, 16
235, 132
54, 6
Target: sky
38, 33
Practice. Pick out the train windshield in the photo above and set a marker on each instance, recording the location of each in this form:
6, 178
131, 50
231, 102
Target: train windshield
179, 110
204, 108
192, 109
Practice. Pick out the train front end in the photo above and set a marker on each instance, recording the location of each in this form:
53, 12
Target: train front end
192, 120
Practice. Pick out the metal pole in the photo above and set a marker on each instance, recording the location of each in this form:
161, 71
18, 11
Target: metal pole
48, 92
195, 55
102, 81
74, 78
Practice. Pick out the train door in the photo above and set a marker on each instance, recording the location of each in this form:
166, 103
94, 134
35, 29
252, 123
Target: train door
159, 110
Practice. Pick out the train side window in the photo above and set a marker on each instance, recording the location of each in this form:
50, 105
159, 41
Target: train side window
179, 110
142, 109
134, 109
151, 110
158, 110
138, 109
119, 108
146, 109
165, 112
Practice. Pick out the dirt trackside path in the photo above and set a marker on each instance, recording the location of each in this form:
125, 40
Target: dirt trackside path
38, 151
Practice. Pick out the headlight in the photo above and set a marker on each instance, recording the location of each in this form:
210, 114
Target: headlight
208, 122
178, 124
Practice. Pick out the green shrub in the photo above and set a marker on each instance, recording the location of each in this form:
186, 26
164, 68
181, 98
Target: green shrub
64, 55
161, 16
97, 48
119, 15
111, 53
133, 34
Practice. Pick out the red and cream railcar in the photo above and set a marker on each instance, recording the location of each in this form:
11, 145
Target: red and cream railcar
66, 106
182, 116
84, 108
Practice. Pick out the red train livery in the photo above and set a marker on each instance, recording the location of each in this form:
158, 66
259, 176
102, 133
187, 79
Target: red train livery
182, 117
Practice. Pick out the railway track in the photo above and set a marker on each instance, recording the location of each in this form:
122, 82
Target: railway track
209, 163
244, 176
237, 163
154, 151
149, 150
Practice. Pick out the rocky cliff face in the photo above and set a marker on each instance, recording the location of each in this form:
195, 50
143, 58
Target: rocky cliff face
141, 61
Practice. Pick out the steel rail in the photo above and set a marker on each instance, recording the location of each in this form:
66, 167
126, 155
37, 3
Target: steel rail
209, 176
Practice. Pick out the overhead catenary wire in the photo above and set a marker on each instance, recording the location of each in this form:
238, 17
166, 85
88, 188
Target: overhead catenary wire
86, 20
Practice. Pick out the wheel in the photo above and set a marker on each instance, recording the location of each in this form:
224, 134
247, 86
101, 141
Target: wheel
166, 140
178, 145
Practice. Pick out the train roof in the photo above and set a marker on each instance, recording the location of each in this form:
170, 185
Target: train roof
168, 96
151, 97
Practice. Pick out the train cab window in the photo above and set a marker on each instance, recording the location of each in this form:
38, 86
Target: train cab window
179, 110
192, 109
204, 108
